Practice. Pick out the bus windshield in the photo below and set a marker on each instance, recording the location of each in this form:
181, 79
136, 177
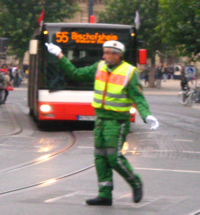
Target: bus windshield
82, 45
55, 78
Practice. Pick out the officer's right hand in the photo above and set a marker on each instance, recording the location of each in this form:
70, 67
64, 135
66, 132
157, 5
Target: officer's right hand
53, 49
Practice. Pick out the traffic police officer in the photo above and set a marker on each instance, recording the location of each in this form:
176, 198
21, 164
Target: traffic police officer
116, 87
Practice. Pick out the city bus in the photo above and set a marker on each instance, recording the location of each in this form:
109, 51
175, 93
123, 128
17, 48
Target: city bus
53, 96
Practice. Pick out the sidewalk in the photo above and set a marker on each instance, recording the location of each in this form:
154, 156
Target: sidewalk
168, 85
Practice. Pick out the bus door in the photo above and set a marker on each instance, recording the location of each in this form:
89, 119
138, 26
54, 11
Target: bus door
33, 78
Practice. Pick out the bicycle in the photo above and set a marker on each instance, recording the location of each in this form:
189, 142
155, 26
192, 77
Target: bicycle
188, 97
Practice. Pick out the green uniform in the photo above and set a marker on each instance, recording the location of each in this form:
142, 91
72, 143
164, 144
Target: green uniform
111, 128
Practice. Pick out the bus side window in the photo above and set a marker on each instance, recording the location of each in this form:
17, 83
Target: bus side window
70, 55
82, 54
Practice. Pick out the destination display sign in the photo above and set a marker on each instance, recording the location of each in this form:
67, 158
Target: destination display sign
84, 38
67, 37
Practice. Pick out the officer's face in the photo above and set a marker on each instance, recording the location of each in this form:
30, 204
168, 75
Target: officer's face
110, 57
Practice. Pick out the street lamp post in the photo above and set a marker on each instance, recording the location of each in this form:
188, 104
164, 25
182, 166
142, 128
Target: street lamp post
3, 48
90, 10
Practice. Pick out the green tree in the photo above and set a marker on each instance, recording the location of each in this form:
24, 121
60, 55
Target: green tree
18, 19
180, 25
123, 12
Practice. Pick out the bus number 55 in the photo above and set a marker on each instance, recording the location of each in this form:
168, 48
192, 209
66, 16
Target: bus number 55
62, 37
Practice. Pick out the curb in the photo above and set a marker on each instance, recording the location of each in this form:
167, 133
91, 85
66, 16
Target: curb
161, 93
12, 120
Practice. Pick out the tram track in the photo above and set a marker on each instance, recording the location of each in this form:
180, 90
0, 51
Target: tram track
41, 159
48, 181
38, 161
177, 116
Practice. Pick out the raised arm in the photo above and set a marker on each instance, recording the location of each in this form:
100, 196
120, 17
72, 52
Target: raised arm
83, 74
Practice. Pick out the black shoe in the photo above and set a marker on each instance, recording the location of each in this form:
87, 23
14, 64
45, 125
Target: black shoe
137, 192
99, 201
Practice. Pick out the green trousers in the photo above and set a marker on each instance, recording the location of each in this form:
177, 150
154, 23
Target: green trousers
109, 136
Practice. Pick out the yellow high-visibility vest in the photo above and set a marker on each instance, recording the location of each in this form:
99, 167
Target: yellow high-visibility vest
110, 88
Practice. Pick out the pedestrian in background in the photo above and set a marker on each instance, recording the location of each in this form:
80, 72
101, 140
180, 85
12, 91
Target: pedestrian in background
182, 70
13, 72
10, 71
4, 68
165, 72
141, 73
171, 72
159, 75
184, 84
6, 84
116, 87
146, 74
16, 77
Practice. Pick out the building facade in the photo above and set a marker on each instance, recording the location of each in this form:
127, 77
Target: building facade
83, 14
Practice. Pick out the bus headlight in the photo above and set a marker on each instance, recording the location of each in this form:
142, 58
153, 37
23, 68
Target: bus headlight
132, 110
45, 108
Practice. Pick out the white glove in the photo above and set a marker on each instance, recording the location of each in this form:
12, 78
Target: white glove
152, 121
53, 49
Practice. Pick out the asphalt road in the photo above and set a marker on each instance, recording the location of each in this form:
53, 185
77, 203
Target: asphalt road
51, 171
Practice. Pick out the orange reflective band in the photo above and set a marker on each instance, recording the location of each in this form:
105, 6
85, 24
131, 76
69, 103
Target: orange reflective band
113, 79
101, 76
117, 79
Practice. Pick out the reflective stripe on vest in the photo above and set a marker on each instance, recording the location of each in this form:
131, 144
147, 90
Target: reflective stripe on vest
110, 88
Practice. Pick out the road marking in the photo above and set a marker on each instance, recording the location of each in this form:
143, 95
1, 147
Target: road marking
163, 151
147, 203
146, 140
195, 213
60, 197
23, 137
141, 204
196, 107
150, 151
140, 151
147, 132
168, 170
123, 196
191, 152
6, 145
85, 147
177, 140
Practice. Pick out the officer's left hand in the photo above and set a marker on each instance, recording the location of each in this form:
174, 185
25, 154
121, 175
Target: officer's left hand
152, 121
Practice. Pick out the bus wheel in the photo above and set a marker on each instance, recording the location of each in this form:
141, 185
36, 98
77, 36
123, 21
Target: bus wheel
31, 112
41, 124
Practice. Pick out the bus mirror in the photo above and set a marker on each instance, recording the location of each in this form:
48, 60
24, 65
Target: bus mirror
33, 46
142, 56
